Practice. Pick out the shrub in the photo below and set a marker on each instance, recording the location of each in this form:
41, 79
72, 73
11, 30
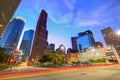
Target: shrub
4, 66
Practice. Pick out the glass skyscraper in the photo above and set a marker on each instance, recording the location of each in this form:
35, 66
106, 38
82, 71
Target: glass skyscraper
26, 43
12, 34
7, 10
85, 40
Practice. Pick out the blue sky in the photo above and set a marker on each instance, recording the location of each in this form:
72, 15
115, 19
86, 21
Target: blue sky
66, 18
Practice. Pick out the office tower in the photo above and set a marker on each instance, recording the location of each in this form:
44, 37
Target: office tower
40, 37
51, 46
85, 40
12, 34
61, 50
7, 10
74, 43
26, 43
109, 36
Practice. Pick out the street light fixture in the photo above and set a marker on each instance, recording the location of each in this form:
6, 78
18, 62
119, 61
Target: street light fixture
118, 32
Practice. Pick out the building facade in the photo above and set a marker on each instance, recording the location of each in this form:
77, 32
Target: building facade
74, 43
26, 43
7, 10
71, 57
109, 54
94, 53
61, 50
111, 38
51, 46
40, 37
12, 34
85, 40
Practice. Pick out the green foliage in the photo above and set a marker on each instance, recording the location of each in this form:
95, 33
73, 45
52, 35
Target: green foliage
56, 58
103, 59
98, 60
91, 60
4, 66
44, 59
52, 57
3, 56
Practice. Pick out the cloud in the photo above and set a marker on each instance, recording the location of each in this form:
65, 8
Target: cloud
57, 13
65, 19
75, 14
98, 15
69, 4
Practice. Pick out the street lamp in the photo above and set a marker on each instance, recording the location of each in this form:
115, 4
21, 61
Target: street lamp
118, 32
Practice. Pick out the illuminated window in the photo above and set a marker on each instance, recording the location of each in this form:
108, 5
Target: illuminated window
3, 15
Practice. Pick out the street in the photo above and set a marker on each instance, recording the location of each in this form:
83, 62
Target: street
96, 73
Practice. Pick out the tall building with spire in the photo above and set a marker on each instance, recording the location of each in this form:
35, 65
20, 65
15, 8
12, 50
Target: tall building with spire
40, 37
7, 10
12, 34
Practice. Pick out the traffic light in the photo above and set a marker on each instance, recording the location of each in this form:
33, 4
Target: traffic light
21, 52
11, 60
108, 48
17, 51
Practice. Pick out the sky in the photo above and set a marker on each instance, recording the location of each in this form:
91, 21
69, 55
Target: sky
66, 18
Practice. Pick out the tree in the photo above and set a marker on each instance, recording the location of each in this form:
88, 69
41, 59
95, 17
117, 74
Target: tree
53, 57
44, 59
56, 58
3, 56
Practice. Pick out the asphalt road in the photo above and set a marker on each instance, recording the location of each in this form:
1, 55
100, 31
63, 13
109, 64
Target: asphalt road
98, 73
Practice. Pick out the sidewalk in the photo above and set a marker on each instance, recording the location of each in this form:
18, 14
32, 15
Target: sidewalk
21, 69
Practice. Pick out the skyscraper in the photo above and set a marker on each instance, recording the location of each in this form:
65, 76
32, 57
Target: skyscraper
109, 36
7, 9
74, 43
85, 40
26, 43
40, 37
51, 46
12, 34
